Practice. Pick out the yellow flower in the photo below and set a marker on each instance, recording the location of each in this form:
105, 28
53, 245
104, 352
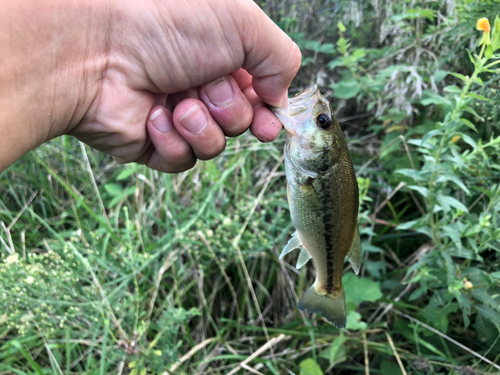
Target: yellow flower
483, 25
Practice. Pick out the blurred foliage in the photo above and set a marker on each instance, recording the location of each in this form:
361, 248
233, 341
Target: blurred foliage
120, 269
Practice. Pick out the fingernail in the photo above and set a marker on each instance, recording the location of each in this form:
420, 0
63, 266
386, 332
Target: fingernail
220, 92
161, 121
194, 120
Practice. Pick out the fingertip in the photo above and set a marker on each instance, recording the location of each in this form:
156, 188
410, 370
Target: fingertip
228, 105
171, 153
194, 122
161, 119
265, 126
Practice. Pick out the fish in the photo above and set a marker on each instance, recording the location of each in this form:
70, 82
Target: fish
323, 196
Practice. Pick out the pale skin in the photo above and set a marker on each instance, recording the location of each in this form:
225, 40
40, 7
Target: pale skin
160, 83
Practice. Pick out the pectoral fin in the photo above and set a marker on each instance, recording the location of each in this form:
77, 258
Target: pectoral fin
354, 255
292, 244
303, 258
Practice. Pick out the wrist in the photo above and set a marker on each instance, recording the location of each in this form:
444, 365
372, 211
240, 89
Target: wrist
53, 56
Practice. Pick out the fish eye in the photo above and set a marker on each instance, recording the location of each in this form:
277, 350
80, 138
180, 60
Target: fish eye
323, 120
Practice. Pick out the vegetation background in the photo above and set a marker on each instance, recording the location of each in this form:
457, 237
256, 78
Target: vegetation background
120, 269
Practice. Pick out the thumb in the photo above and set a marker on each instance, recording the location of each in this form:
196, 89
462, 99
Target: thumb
271, 57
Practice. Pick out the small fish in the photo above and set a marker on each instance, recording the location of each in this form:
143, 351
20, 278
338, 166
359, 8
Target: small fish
323, 196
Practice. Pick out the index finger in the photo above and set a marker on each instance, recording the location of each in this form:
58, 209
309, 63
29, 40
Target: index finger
265, 125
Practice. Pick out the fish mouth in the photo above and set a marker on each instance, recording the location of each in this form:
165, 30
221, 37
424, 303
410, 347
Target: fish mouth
308, 97
283, 115
297, 106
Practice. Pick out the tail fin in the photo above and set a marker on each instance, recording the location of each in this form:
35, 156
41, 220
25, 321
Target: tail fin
331, 307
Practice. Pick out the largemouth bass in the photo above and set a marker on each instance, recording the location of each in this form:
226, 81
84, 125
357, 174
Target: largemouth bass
324, 199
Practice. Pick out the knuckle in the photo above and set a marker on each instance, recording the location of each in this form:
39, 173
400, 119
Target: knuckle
179, 151
213, 149
187, 165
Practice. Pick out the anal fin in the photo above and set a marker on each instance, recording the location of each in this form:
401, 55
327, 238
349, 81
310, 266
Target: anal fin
303, 258
354, 255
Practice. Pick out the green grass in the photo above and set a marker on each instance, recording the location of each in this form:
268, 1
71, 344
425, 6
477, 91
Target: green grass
132, 269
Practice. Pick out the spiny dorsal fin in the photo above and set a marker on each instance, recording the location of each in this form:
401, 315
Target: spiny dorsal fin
354, 255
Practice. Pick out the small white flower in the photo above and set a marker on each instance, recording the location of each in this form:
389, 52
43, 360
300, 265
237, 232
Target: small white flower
11, 259
30, 279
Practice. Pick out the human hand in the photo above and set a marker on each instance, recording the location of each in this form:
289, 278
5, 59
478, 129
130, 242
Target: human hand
180, 76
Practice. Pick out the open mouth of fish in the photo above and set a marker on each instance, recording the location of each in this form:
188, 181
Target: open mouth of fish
298, 110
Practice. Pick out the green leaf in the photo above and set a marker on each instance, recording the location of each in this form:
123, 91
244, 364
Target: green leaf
327, 48
468, 123
453, 233
375, 268
432, 98
446, 202
354, 321
412, 173
412, 14
454, 178
359, 289
496, 33
125, 173
307, 60
439, 75
416, 294
310, 367
460, 76
488, 52
467, 139
366, 246
471, 58
422, 190
453, 89
479, 97
346, 89
114, 189
335, 63
430, 135
28, 357
473, 112
336, 353
407, 225
478, 81
489, 314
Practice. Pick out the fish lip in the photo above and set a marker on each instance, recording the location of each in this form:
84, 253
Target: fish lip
288, 129
296, 105
304, 95
283, 116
